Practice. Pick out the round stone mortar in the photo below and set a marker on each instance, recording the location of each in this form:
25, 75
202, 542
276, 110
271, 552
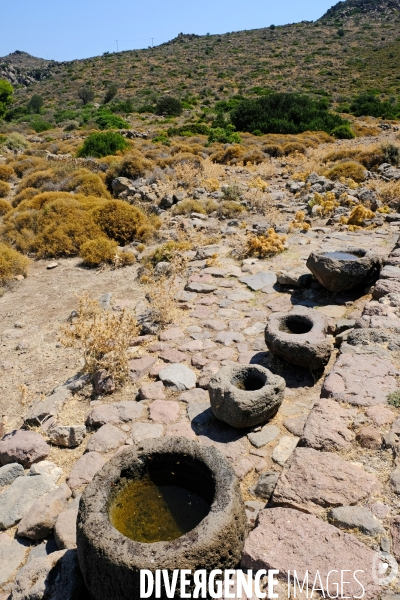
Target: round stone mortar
111, 563
245, 395
299, 337
339, 274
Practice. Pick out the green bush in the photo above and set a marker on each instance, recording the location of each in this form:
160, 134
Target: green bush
40, 125
97, 145
224, 136
169, 106
367, 104
107, 120
110, 93
391, 154
343, 132
190, 128
285, 114
394, 398
6, 92
35, 103
86, 94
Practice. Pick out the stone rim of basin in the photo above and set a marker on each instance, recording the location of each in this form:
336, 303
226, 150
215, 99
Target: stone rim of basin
341, 274
111, 563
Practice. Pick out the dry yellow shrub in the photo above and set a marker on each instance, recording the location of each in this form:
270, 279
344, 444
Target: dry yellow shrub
4, 189
349, 169
263, 246
12, 263
358, 215
58, 223
5, 207
299, 222
88, 183
124, 223
228, 156
293, 147
104, 251
326, 203
6, 172
104, 337
26, 164
212, 184
258, 183
37, 179
26, 194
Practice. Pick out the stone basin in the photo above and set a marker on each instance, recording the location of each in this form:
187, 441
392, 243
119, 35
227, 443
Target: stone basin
299, 337
111, 562
245, 395
344, 269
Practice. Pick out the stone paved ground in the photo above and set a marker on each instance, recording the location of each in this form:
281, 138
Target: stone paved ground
334, 442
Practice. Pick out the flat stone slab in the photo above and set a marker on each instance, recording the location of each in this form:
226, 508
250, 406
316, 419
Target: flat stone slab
240, 296
200, 288
295, 425
17, 500
171, 334
140, 366
10, 472
316, 480
143, 431
12, 555
117, 413
333, 311
327, 426
194, 395
289, 540
259, 281
356, 517
178, 377
107, 438
164, 411
361, 382
23, 447
267, 434
46, 467
85, 469
284, 449
152, 391
49, 407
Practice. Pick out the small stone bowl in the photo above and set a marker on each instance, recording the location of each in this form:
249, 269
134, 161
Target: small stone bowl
300, 338
245, 395
111, 562
341, 270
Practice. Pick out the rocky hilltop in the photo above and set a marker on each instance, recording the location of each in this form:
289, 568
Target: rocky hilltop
350, 8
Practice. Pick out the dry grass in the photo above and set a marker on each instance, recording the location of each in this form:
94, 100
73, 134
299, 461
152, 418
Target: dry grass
5, 207
104, 337
6, 172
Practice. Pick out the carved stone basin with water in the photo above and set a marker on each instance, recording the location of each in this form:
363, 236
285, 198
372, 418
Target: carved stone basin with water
166, 504
340, 270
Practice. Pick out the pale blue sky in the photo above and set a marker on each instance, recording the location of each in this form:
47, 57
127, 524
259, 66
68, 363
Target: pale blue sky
65, 30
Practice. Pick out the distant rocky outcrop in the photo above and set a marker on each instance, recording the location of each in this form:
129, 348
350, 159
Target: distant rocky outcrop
349, 8
23, 69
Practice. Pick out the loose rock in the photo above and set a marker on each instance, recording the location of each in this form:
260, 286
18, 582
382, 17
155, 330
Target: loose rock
23, 447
